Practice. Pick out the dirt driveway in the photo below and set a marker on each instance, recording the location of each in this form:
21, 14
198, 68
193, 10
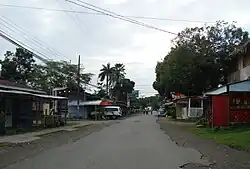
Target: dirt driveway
221, 156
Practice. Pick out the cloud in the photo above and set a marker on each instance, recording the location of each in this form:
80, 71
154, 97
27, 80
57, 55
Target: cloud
102, 39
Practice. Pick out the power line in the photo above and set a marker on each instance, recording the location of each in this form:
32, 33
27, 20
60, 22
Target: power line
72, 18
22, 45
36, 53
27, 36
118, 16
95, 13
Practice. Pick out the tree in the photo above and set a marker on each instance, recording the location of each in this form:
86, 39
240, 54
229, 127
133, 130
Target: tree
101, 94
118, 73
106, 73
199, 59
18, 66
59, 74
153, 101
122, 89
117, 86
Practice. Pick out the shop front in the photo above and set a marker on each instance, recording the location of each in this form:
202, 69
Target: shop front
230, 104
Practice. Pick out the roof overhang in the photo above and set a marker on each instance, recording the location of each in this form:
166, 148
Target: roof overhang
32, 94
90, 103
21, 89
242, 86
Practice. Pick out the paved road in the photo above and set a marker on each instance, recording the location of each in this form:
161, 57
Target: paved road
134, 143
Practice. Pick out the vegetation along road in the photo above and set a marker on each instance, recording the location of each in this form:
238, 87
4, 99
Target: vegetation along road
134, 143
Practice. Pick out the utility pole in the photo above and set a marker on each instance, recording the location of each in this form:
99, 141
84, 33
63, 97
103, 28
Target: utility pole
78, 88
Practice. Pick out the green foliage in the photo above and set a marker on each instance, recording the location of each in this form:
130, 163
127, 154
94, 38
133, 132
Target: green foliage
235, 138
122, 88
58, 74
199, 59
101, 94
153, 101
117, 85
20, 67
106, 73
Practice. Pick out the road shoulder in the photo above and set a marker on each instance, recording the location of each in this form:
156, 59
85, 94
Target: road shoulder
12, 153
221, 156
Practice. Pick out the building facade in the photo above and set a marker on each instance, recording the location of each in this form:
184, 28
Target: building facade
240, 65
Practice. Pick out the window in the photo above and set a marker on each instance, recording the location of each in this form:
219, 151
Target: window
111, 109
195, 103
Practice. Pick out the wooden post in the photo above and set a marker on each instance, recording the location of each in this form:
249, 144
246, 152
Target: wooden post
189, 105
36, 112
78, 88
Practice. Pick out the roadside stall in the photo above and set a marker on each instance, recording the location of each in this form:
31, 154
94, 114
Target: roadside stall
88, 109
230, 104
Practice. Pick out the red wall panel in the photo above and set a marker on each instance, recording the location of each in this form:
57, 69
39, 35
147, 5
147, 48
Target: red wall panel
240, 116
220, 110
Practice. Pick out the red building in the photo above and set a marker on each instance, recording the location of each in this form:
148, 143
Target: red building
229, 104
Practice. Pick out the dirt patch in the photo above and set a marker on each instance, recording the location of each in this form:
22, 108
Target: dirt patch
221, 156
16, 152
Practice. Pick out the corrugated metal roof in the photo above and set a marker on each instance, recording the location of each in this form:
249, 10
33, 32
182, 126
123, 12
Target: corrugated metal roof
32, 94
241, 86
217, 91
85, 103
15, 86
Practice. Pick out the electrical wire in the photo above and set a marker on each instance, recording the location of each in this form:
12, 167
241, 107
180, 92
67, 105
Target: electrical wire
15, 28
36, 53
95, 13
72, 18
29, 46
118, 16
23, 46
40, 56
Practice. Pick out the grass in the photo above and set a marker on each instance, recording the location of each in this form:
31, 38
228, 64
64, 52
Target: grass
238, 138
2, 145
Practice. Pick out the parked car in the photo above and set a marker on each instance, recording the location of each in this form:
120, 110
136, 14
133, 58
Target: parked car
161, 113
112, 112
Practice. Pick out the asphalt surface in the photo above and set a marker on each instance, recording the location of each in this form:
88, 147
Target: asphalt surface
134, 143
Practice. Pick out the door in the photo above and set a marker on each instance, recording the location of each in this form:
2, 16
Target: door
8, 112
220, 113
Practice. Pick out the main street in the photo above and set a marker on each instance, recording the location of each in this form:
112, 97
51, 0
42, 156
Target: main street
134, 143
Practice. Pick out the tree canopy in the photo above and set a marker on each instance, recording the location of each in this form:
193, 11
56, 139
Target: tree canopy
21, 67
199, 59
117, 85
18, 66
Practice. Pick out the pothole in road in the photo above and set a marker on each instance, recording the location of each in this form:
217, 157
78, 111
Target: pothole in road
136, 121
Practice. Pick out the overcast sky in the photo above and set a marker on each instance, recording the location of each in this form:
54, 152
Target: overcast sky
101, 39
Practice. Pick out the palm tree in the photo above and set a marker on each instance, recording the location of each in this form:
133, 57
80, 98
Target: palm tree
118, 73
106, 73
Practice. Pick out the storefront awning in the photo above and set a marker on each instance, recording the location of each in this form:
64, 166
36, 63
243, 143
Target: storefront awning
91, 103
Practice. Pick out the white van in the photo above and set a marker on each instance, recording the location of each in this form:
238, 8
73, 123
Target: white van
112, 112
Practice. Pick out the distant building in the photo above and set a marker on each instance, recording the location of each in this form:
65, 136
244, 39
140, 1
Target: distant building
71, 93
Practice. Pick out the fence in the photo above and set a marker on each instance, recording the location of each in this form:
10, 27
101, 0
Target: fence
195, 112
